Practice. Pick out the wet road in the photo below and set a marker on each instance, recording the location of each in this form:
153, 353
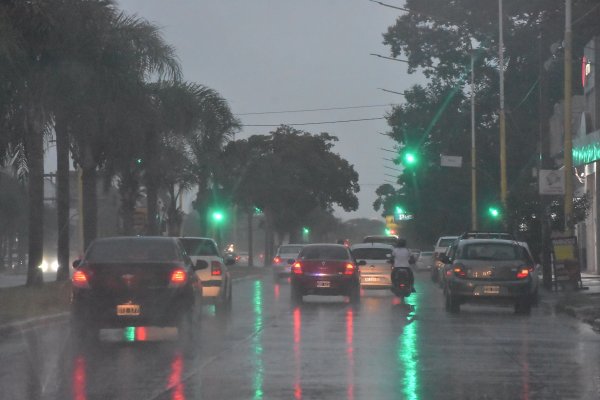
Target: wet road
324, 349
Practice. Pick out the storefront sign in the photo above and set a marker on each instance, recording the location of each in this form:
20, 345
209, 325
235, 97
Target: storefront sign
586, 149
552, 182
566, 259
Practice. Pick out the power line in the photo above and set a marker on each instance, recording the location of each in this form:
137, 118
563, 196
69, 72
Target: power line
316, 109
313, 123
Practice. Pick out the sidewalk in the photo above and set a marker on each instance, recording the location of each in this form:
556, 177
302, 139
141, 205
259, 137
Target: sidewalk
581, 304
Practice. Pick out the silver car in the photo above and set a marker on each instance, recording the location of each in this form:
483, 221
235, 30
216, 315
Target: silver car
377, 269
489, 270
286, 252
425, 261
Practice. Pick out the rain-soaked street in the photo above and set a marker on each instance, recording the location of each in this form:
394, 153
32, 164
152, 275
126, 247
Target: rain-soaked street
324, 349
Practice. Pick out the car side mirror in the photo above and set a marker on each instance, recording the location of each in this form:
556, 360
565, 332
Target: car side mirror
200, 264
291, 261
445, 259
361, 262
229, 261
76, 263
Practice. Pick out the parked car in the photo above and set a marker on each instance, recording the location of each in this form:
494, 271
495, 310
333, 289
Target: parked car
134, 281
489, 270
325, 269
377, 269
211, 270
280, 264
439, 249
425, 261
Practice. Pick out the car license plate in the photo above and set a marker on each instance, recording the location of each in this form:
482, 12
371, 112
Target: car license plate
323, 284
491, 290
370, 279
128, 309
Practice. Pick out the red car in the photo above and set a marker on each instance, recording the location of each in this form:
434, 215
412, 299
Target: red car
325, 269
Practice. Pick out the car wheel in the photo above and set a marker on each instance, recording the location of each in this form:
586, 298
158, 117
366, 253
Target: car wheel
523, 307
82, 330
296, 294
434, 277
186, 328
224, 305
452, 304
354, 295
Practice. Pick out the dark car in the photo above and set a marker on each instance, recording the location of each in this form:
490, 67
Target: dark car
134, 281
325, 269
489, 270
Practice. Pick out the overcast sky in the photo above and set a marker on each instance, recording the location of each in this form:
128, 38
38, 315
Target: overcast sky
278, 55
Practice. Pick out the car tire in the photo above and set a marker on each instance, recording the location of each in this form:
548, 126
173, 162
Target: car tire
452, 303
295, 294
82, 330
354, 295
186, 328
434, 276
224, 305
523, 307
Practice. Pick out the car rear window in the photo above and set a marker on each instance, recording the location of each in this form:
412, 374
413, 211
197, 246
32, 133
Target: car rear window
490, 251
372, 254
290, 249
199, 247
132, 250
445, 242
324, 253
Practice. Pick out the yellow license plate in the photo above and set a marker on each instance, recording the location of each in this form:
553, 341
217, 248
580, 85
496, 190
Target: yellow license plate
128, 309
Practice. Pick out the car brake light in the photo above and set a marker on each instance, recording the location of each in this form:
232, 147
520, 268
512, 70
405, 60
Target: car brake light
277, 260
80, 279
349, 269
297, 268
459, 272
216, 268
178, 277
523, 273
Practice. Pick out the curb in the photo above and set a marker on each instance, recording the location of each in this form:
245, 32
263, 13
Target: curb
29, 324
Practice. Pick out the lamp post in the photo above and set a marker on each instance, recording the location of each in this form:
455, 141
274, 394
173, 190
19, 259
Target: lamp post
503, 183
473, 149
568, 144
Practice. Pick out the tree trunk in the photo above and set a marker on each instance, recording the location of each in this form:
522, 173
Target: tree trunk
250, 238
151, 182
128, 191
34, 145
90, 205
62, 199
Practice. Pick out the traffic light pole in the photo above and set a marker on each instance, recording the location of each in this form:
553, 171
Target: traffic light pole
503, 183
473, 150
568, 145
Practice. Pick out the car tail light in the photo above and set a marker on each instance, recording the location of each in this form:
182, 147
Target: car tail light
349, 270
459, 271
297, 268
277, 260
178, 277
216, 268
80, 279
523, 273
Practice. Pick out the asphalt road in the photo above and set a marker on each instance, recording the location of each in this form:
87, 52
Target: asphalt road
324, 349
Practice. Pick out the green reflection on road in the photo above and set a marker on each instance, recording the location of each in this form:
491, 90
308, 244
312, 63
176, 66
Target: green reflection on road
408, 355
129, 334
257, 341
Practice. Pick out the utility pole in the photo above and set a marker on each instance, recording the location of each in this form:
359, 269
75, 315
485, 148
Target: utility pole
473, 149
503, 184
568, 145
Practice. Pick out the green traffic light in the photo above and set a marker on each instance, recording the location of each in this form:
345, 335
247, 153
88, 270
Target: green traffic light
410, 158
218, 216
305, 230
399, 210
494, 212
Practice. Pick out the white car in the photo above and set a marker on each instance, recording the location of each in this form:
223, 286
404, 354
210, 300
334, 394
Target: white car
213, 272
280, 264
376, 271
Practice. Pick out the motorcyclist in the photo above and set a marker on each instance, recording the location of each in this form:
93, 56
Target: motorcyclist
402, 259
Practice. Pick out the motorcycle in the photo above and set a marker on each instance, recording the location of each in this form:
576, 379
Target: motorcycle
402, 282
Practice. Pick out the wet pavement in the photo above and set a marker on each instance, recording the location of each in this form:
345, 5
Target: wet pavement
323, 349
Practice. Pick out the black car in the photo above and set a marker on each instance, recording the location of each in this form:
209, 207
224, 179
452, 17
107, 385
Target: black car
134, 281
325, 269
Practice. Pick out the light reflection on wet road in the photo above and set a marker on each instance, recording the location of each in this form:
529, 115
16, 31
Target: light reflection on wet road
322, 349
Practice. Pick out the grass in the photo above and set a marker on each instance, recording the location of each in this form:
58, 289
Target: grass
22, 303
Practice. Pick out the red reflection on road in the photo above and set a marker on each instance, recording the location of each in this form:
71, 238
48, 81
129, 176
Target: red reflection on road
140, 334
350, 351
297, 355
175, 383
276, 289
525, 361
79, 379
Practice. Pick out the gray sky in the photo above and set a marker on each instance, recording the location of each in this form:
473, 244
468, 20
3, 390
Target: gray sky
276, 55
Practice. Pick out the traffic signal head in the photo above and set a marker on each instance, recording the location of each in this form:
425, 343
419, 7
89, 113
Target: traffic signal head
217, 216
494, 212
409, 158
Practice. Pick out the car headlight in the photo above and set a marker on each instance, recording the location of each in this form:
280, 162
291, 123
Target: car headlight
44, 266
54, 266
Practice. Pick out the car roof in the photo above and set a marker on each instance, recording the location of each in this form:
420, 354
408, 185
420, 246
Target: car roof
371, 245
325, 245
293, 244
136, 238
501, 241
197, 238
